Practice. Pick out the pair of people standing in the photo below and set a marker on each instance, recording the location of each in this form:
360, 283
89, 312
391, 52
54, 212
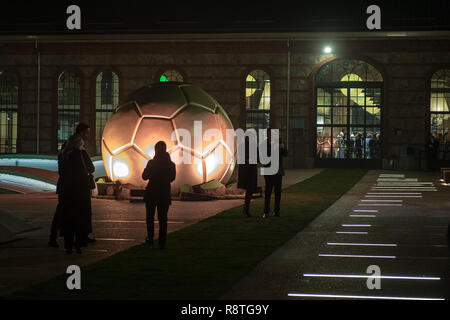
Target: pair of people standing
73, 216
248, 176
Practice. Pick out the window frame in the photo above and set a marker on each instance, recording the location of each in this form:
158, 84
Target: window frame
94, 139
58, 75
316, 84
18, 110
244, 109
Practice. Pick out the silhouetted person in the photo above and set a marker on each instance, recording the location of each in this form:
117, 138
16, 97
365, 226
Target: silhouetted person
83, 131
433, 152
359, 143
160, 171
274, 181
350, 146
377, 146
247, 178
56, 221
75, 194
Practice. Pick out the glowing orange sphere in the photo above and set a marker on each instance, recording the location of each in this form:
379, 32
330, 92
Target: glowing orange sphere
154, 113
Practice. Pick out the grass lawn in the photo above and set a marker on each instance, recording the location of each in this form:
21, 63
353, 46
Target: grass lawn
2, 190
204, 260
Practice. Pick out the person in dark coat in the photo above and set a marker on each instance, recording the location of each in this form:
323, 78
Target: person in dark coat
359, 143
433, 152
75, 194
247, 178
56, 221
160, 171
274, 181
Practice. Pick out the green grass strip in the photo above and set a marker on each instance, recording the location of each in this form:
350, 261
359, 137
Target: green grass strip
28, 175
204, 260
7, 191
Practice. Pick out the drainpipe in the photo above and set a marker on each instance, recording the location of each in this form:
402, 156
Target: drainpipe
288, 91
38, 55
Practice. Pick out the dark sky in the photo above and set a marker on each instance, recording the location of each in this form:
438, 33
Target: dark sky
131, 16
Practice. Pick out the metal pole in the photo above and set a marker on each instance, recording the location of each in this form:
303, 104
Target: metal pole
288, 91
38, 95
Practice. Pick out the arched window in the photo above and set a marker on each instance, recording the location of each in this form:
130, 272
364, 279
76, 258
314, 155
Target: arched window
348, 106
171, 75
439, 110
68, 105
106, 99
9, 90
257, 100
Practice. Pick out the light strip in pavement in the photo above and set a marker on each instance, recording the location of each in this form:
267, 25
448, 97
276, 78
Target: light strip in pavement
382, 200
355, 256
357, 297
368, 276
352, 232
362, 216
381, 204
363, 210
398, 179
403, 189
356, 225
406, 183
362, 244
395, 193
386, 175
392, 196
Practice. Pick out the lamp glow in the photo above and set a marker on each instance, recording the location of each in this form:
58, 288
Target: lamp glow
327, 49
120, 169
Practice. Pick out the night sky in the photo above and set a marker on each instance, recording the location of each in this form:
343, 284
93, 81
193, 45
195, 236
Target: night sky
20, 18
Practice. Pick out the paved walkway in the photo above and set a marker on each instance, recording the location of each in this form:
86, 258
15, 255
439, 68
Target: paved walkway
396, 221
118, 225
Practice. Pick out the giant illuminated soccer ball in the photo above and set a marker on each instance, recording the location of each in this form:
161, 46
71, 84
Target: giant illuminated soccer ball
153, 113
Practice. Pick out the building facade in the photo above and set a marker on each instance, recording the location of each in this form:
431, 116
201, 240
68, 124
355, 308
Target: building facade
370, 102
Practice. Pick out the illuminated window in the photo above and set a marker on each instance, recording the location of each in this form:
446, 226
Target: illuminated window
8, 112
68, 105
439, 110
348, 108
106, 99
171, 75
257, 100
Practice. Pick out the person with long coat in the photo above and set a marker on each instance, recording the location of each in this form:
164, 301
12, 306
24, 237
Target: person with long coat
247, 178
160, 171
75, 194
56, 221
274, 181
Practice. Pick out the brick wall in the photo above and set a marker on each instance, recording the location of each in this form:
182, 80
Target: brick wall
220, 68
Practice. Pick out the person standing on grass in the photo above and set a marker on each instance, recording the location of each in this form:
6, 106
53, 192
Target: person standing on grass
83, 131
274, 181
247, 178
160, 171
56, 221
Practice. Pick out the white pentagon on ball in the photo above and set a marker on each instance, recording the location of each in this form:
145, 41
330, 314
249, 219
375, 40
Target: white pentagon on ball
151, 114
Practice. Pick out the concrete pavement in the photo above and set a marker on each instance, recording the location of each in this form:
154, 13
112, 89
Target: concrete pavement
394, 220
117, 226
